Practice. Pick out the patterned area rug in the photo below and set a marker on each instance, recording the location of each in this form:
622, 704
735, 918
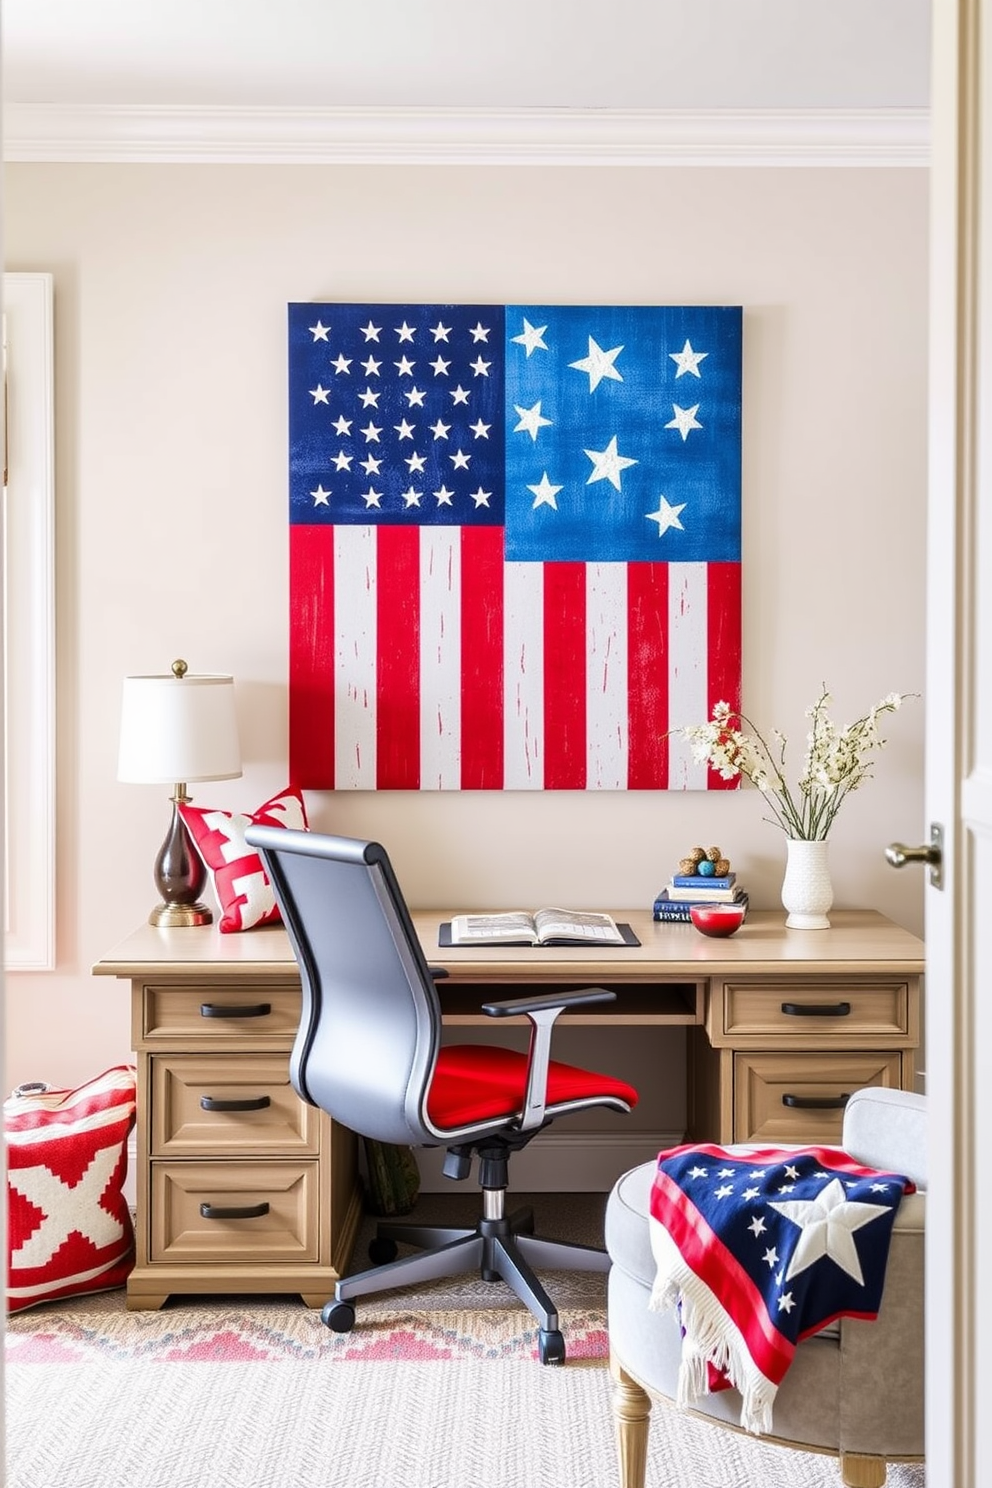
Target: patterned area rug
258, 1394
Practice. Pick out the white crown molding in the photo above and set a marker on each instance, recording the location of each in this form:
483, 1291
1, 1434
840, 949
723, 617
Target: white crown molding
123, 134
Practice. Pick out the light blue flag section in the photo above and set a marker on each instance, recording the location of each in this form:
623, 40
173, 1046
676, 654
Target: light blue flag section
623, 434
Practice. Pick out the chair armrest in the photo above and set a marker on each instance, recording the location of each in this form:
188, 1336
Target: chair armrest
558, 1000
542, 1012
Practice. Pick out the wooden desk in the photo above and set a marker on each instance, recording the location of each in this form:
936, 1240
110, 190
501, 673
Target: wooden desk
782, 1025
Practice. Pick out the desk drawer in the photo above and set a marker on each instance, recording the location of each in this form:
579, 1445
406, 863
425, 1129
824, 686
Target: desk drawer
814, 1010
252, 1108
258, 1212
208, 1014
798, 1097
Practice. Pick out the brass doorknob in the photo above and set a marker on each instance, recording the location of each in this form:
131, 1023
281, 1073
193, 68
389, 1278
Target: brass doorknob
897, 854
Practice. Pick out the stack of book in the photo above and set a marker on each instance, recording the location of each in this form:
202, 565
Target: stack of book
686, 889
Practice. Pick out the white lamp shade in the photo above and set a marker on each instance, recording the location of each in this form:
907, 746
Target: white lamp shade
178, 729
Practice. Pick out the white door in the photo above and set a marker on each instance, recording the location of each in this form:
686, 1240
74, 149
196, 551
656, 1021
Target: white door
959, 753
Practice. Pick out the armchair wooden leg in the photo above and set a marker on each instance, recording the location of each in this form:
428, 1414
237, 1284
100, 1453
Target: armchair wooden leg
631, 1414
859, 1471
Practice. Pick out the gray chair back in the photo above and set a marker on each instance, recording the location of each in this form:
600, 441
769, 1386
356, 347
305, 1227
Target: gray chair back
370, 1025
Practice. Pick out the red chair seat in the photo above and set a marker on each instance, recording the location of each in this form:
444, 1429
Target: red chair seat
473, 1082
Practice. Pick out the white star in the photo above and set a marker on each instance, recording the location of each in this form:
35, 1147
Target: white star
341, 363
460, 460
879, 1187
443, 496
828, 1223
544, 493
755, 1172
320, 496
342, 425
684, 420
532, 338
319, 332
771, 1256
480, 430
757, 1226
440, 366
439, 430
459, 394
343, 461
412, 497
607, 464
371, 433
403, 429
415, 462
319, 394
479, 332
786, 1187
415, 397
698, 1172
750, 1193
687, 360
370, 465
668, 516
480, 368
405, 332
724, 1191
371, 497
785, 1302
598, 364
369, 398
791, 1171
371, 367
481, 497
530, 420
440, 332
405, 367
371, 332
726, 1173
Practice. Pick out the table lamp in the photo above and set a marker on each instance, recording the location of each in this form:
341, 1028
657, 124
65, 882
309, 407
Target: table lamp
175, 729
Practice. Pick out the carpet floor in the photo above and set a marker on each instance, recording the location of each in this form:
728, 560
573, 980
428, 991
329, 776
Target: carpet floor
285, 1403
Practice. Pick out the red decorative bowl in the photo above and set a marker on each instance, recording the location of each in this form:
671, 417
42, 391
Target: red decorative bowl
717, 919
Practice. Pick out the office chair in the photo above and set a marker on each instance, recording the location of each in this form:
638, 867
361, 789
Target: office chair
368, 1051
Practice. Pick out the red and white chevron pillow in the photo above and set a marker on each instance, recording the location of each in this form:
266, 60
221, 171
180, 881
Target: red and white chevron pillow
69, 1229
240, 882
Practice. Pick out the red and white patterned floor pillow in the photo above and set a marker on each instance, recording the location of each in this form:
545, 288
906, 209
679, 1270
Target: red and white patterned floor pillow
240, 883
69, 1228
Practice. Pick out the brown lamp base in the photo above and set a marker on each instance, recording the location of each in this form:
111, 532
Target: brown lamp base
179, 916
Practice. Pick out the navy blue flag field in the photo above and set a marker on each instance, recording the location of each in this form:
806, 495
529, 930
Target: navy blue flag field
758, 1251
515, 543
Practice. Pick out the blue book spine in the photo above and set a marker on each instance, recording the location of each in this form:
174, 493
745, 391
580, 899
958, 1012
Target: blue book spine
699, 881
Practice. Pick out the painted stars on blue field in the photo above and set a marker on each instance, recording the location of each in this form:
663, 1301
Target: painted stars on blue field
623, 433
396, 414
607, 434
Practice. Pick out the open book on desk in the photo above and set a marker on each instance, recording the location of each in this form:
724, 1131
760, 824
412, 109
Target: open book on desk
542, 928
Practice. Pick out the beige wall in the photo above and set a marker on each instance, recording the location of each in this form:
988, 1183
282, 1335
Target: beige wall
171, 285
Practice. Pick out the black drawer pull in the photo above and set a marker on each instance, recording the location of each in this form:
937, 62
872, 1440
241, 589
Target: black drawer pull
250, 1103
816, 1102
816, 1009
241, 1211
235, 1010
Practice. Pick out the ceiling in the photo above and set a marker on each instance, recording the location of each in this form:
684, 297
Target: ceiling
466, 55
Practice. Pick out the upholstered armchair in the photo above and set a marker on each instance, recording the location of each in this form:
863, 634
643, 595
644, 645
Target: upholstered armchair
854, 1389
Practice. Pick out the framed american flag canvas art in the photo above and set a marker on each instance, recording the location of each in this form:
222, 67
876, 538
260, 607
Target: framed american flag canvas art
515, 543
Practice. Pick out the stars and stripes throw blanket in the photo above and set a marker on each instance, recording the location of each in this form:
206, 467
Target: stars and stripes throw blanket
760, 1249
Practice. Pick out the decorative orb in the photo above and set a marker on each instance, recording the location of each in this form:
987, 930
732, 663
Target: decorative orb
707, 868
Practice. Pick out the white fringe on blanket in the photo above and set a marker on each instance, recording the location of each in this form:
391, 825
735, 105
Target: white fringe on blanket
709, 1337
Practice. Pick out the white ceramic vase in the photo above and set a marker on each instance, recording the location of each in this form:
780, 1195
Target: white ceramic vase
807, 892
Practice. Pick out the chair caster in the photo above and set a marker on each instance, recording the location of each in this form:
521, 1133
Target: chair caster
550, 1346
382, 1251
338, 1316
